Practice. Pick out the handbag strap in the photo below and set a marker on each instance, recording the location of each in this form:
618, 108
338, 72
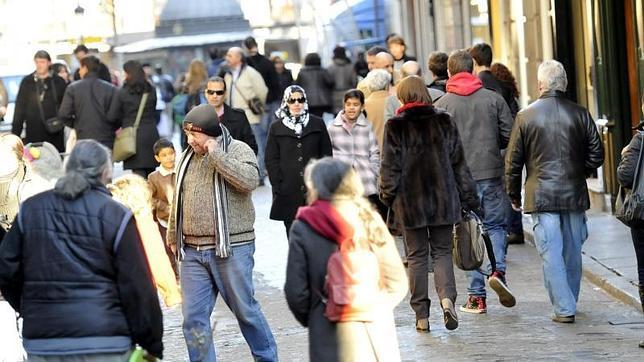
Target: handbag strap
139, 113
238, 90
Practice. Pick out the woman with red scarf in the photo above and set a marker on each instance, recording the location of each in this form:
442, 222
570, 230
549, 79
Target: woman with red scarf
426, 182
338, 216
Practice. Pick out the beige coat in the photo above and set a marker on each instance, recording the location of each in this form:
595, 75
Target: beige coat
249, 84
375, 107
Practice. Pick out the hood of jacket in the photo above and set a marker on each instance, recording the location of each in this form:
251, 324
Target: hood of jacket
325, 220
463, 84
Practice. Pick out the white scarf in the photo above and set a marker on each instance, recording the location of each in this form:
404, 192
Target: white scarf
296, 123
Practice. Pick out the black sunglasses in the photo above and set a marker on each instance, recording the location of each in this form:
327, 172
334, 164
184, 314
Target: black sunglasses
299, 100
217, 92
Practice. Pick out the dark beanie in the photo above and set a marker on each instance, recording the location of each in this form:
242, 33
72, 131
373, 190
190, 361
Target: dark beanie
203, 119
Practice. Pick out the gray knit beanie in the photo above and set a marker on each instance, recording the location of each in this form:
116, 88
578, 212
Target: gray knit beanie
203, 118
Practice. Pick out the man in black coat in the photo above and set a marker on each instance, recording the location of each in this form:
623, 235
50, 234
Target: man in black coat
86, 103
103, 72
482, 55
234, 119
38, 99
559, 145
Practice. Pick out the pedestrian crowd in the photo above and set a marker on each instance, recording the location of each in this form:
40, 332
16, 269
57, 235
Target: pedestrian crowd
358, 156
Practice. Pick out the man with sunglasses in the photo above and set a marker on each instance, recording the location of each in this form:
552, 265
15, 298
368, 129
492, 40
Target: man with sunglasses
233, 118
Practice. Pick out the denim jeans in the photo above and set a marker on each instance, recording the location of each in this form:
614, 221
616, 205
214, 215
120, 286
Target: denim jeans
203, 277
493, 202
260, 131
559, 237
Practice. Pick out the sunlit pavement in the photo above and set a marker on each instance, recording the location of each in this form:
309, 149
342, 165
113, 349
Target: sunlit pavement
605, 329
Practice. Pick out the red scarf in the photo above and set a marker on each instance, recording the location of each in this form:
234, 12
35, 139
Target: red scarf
410, 105
322, 217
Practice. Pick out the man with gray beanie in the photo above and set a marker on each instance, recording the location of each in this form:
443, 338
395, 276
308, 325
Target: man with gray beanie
215, 179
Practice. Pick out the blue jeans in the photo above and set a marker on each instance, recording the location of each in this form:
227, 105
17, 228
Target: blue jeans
559, 237
205, 275
493, 201
260, 131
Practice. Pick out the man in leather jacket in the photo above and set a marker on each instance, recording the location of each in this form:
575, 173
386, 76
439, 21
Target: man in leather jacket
559, 145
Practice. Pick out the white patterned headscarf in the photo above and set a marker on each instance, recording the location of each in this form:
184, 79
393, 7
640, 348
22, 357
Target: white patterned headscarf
296, 123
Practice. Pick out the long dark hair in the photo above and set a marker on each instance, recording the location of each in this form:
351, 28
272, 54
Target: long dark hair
136, 80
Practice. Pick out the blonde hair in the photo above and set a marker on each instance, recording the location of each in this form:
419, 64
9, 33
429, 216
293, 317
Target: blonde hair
13, 143
133, 192
413, 89
197, 76
336, 181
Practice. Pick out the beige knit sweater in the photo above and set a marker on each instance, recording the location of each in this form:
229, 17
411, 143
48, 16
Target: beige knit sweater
239, 169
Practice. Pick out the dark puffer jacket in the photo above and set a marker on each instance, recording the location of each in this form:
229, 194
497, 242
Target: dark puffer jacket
76, 272
558, 143
423, 175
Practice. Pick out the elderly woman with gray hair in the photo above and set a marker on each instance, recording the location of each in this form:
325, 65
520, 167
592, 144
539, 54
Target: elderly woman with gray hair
338, 216
377, 82
73, 258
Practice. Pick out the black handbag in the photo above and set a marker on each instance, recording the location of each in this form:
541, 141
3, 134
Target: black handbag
54, 124
629, 206
254, 104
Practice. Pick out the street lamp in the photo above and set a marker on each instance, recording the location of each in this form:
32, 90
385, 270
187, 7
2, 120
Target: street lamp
79, 12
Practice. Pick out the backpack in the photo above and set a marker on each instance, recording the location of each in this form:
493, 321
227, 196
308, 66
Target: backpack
352, 284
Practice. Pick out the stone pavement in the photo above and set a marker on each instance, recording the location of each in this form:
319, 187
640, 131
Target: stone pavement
606, 328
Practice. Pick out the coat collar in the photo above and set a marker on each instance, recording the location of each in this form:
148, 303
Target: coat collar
338, 121
552, 93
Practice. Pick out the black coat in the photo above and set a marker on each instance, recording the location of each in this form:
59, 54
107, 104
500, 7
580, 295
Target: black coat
309, 251
80, 266
557, 141
424, 177
85, 106
27, 110
318, 84
267, 69
237, 123
285, 80
122, 113
503, 88
286, 157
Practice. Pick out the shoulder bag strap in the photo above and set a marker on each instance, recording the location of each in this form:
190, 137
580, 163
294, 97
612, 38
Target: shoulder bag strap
239, 91
139, 114
638, 185
40, 109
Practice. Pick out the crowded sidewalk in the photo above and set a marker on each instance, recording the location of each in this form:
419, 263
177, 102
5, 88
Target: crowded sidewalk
603, 330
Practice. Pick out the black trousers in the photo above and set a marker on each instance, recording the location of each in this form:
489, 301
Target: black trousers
638, 243
420, 242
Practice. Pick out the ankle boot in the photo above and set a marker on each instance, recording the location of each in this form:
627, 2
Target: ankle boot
641, 287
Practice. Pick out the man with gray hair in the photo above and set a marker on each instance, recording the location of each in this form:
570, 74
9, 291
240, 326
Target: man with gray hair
559, 145
377, 82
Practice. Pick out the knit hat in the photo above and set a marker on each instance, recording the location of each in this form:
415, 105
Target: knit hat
203, 119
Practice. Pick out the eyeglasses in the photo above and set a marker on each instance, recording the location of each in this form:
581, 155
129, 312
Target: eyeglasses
217, 92
299, 100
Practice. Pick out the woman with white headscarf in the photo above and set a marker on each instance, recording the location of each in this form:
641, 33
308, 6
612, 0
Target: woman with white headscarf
295, 138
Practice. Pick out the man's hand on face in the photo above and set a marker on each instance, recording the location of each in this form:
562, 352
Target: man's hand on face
213, 144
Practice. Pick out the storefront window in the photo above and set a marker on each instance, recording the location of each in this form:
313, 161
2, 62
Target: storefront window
480, 21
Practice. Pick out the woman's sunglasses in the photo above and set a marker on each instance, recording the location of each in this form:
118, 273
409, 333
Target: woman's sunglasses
217, 92
299, 100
